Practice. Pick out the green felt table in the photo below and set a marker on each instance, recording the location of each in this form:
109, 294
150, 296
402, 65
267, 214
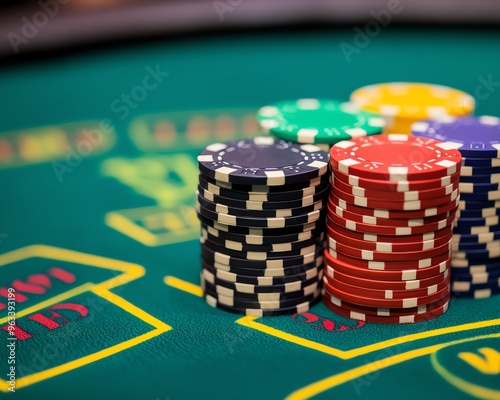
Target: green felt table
100, 239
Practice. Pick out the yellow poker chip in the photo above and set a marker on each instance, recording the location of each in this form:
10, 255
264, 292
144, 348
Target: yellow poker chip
413, 100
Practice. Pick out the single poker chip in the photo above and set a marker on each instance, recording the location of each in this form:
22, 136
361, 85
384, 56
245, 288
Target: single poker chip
415, 205
262, 300
332, 275
250, 222
478, 187
209, 271
242, 212
259, 240
365, 300
261, 255
212, 256
385, 275
395, 196
383, 213
260, 304
384, 294
366, 219
375, 265
475, 276
479, 292
404, 319
468, 273
460, 246
370, 255
395, 186
473, 171
492, 195
476, 137
388, 230
291, 195
272, 248
262, 161
265, 188
395, 157
318, 121
481, 213
477, 238
481, 162
489, 263
479, 179
243, 230
388, 247
490, 252
385, 312
477, 205
244, 291
273, 271
263, 205
371, 237
475, 230
413, 100
488, 221
299, 309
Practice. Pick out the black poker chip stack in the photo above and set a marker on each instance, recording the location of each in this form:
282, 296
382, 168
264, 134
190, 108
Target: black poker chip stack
261, 203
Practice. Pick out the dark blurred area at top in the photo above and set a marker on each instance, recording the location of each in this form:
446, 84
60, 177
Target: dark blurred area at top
66, 25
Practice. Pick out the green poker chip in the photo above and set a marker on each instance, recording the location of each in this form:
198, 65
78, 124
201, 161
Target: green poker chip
318, 121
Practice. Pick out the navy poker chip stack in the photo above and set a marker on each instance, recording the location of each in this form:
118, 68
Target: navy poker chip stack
476, 239
261, 203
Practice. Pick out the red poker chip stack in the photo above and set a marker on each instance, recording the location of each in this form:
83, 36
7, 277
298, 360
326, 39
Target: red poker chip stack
393, 200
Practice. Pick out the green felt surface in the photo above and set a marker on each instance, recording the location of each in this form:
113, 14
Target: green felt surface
131, 199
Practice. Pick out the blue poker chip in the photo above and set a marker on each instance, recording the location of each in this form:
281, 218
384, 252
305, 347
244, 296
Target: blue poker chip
488, 221
479, 254
475, 137
263, 161
488, 178
463, 286
477, 238
489, 263
493, 195
475, 230
467, 187
473, 171
464, 246
478, 293
475, 274
477, 204
481, 162
481, 213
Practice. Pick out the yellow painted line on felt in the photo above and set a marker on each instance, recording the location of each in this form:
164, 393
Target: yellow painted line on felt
131, 309
183, 285
53, 300
160, 327
130, 229
338, 379
61, 369
467, 387
250, 322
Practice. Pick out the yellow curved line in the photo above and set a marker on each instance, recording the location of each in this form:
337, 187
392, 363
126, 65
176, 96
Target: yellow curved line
325, 384
467, 387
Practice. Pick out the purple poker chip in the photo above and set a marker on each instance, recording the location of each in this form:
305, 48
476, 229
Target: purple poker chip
475, 137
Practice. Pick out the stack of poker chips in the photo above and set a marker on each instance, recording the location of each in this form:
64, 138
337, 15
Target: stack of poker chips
404, 103
475, 264
390, 225
261, 205
318, 121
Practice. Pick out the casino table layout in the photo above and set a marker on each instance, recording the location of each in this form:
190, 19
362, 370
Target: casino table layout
99, 235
